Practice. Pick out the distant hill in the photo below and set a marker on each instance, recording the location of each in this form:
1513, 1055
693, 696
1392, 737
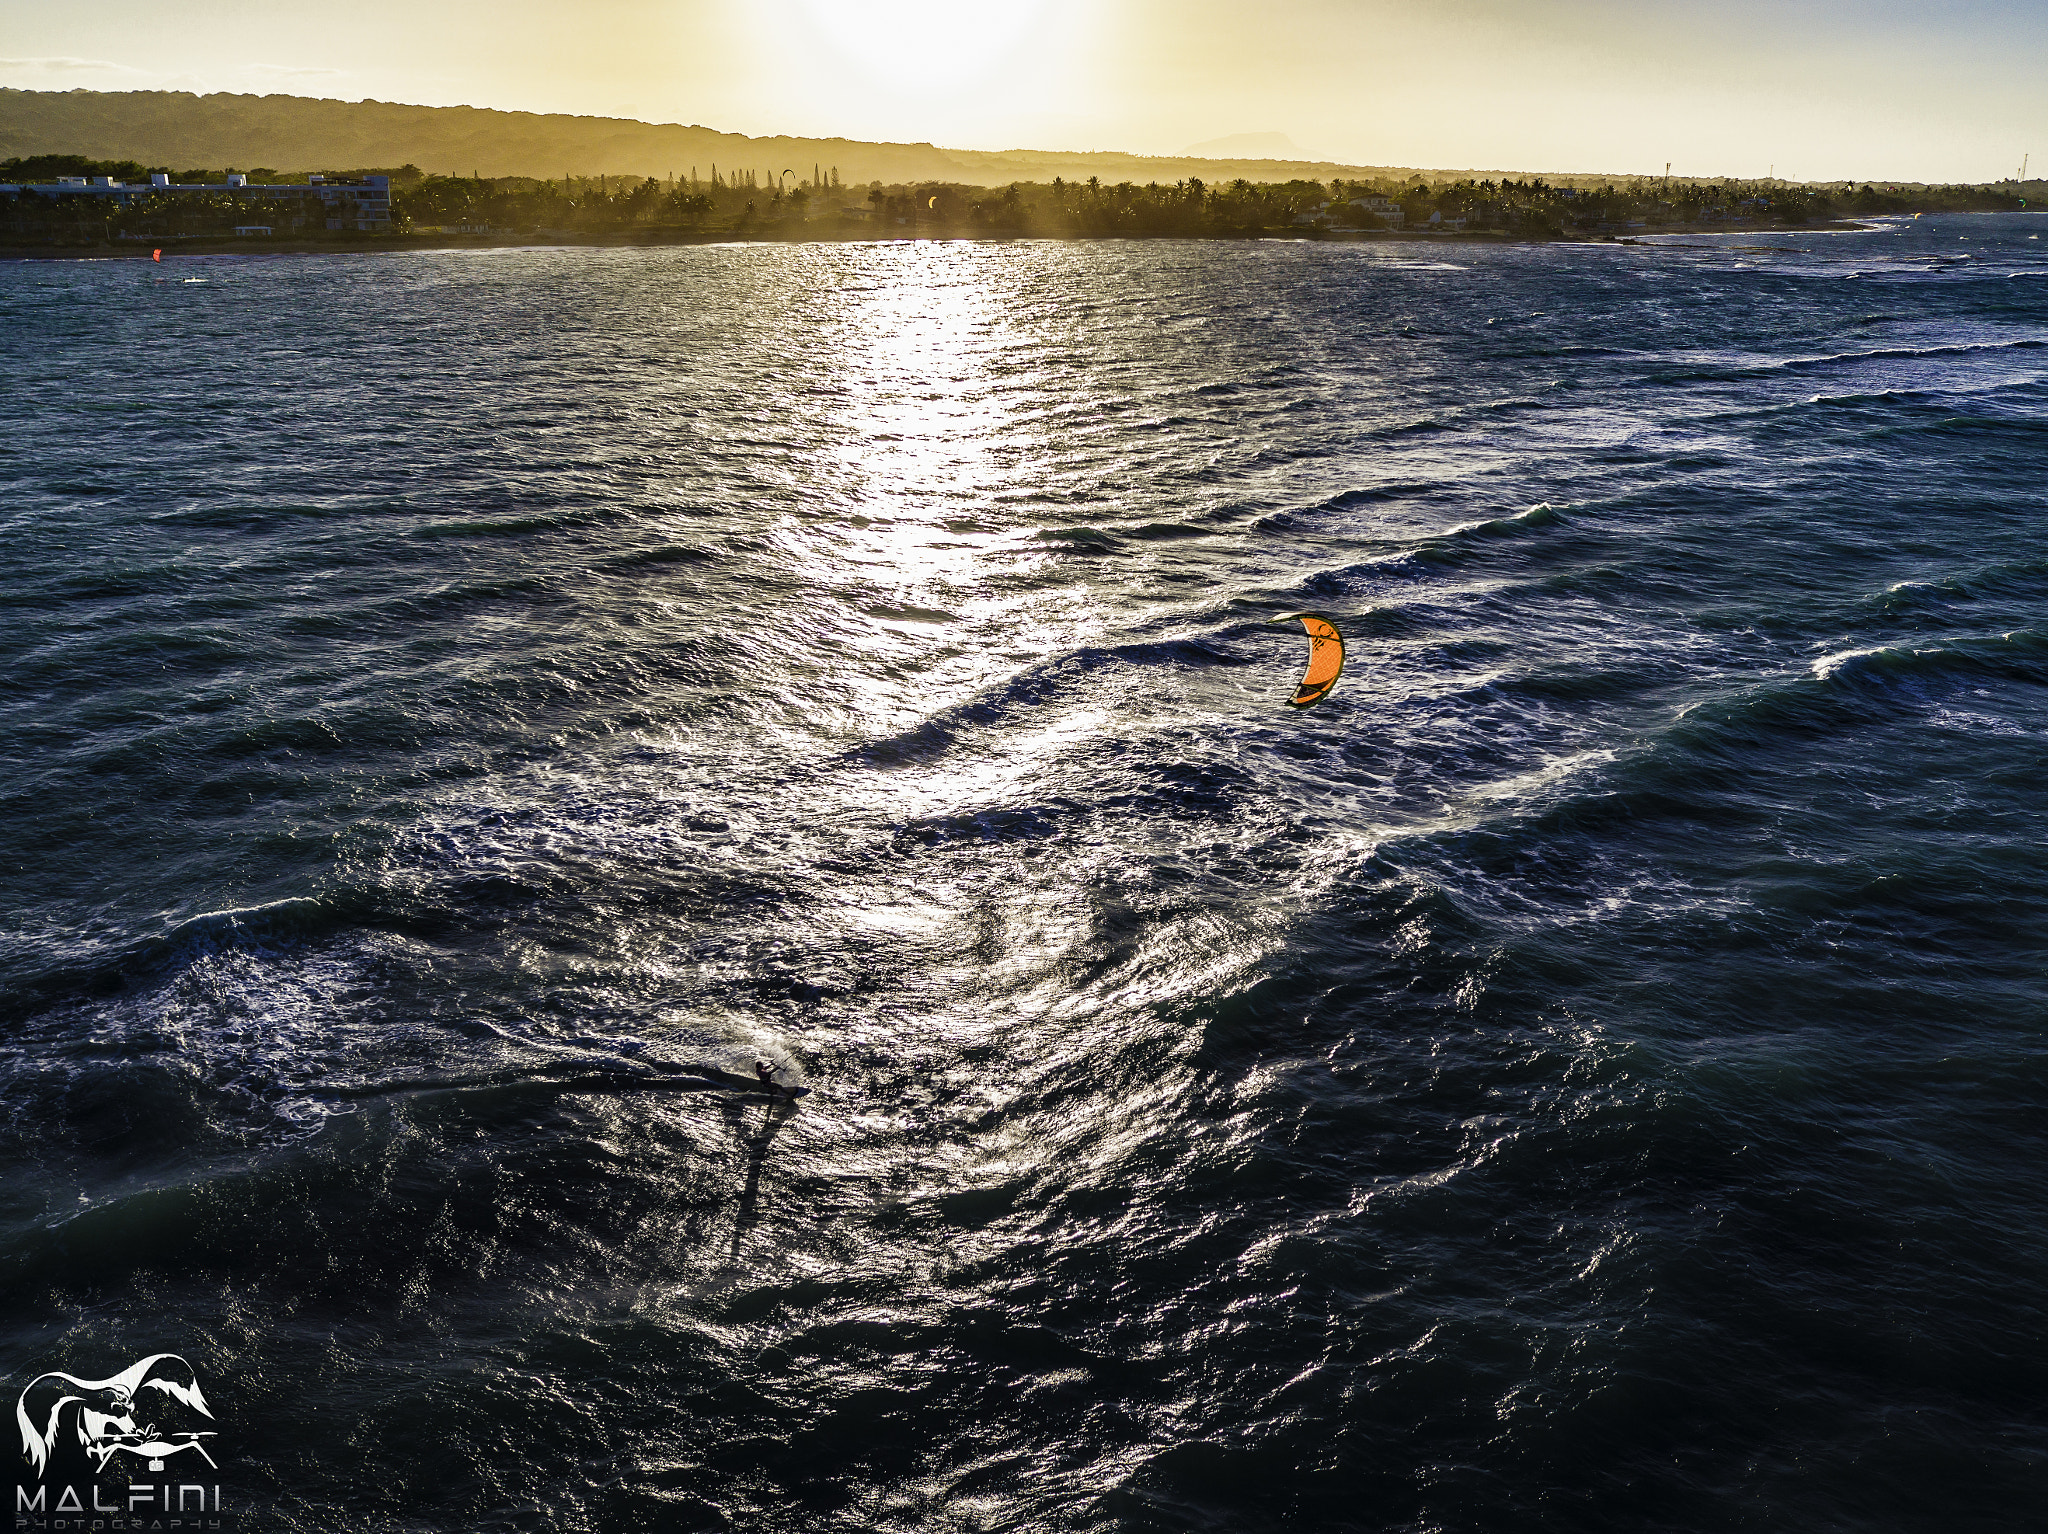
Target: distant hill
297, 133
1247, 146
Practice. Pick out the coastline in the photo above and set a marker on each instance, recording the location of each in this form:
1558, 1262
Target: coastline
127, 250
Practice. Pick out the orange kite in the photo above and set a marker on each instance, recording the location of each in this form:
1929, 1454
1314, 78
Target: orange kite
1325, 659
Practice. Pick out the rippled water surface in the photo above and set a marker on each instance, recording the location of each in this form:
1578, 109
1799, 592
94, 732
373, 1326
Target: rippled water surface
462, 709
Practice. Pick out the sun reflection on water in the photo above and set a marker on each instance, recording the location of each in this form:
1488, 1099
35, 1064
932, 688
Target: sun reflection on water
923, 426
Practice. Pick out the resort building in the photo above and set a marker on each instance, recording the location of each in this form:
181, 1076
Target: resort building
1389, 212
331, 202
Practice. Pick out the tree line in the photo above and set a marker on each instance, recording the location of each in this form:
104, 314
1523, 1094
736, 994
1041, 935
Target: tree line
1188, 208
750, 202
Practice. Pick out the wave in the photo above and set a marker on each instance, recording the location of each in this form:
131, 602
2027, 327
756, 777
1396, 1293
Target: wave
1679, 371
252, 515
1458, 542
1035, 685
1418, 426
2011, 579
2020, 655
504, 527
1846, 689
996, 826
664, 554
1373, 495
1968, 425
1080, 540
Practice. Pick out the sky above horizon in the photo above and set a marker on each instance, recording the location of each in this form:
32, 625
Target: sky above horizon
1942, 90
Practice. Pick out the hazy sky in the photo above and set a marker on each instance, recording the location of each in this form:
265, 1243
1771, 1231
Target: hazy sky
1933, 90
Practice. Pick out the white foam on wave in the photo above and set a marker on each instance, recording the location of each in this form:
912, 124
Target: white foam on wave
1827, 666
1545, 775
229, 918
274, 1038
1971, 723
258, 1028
1527, 516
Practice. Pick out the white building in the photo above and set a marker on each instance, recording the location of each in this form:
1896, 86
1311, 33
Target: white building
363, 204
1384, 209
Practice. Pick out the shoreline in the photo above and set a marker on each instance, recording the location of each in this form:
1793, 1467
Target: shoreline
137, 250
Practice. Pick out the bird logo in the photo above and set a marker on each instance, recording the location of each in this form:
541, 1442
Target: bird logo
103, 1413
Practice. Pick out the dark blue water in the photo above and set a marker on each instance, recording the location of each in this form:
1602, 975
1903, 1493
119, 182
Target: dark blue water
462, 709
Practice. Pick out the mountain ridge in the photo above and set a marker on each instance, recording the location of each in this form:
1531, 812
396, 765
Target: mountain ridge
305, 133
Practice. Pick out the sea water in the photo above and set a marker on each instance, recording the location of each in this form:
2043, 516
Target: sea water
463, 709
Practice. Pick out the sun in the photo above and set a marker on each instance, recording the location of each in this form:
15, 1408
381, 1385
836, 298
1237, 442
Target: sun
927, 45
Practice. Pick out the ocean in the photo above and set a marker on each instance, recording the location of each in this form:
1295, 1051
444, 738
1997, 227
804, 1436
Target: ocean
464, 709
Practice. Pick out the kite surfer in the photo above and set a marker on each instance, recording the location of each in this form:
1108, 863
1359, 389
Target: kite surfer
768, 1082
